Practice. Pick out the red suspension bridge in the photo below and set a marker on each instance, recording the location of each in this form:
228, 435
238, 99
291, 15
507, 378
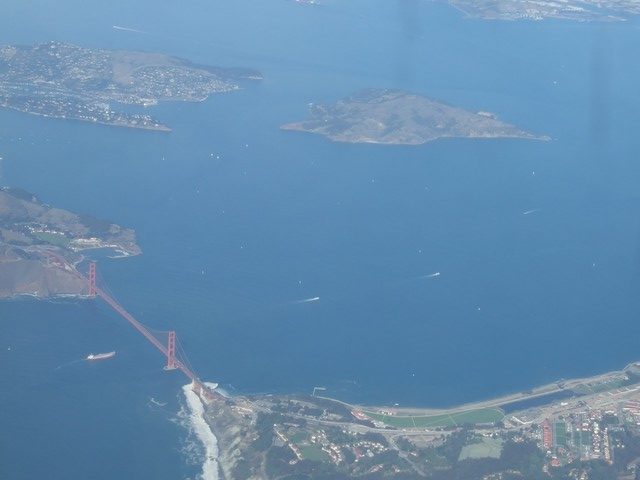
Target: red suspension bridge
176, 359
168, 350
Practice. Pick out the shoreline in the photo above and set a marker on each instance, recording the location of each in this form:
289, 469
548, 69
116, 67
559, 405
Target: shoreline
203, 432
151, 128
297, 127
561, 385
244, 436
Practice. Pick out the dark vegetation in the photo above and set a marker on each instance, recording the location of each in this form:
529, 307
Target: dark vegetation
21, 194
96, 226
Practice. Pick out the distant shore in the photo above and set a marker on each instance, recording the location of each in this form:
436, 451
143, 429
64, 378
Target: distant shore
152, 128
594, 384
300, 127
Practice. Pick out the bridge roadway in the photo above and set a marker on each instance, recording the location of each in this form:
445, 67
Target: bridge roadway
62, 263
143, 330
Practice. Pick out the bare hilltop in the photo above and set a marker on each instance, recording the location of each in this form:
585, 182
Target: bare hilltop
395, 117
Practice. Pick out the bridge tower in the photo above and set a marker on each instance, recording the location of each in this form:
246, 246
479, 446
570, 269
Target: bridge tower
171, 351
92, 280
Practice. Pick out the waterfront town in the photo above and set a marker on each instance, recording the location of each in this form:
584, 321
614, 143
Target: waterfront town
587, 429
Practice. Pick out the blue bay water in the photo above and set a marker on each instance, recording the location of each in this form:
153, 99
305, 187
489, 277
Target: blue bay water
232, 243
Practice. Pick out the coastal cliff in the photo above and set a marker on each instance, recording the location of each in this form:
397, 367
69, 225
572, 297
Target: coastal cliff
40, 246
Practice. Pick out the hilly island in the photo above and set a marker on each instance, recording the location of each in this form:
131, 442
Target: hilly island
40, 246
61, 80
395, 117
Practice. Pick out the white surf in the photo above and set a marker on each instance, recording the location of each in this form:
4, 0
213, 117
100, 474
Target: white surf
200, 428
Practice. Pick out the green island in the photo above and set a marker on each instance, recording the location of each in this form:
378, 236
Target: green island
40, 246
584, 428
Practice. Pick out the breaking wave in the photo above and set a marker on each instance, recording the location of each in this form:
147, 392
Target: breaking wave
200, 429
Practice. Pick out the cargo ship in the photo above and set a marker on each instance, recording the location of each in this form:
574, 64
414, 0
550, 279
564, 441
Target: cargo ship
101, 356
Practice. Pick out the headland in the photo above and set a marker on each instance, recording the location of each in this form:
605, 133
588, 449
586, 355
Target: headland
61, 80
40, 246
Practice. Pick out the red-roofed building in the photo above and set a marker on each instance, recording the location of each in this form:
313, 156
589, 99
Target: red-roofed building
547, 435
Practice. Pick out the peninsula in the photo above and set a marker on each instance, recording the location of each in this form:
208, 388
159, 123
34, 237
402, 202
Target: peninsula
584, 428
394, 117
40, 246
578, 10
61, 80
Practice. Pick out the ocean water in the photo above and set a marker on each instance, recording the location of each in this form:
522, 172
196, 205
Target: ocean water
232, 245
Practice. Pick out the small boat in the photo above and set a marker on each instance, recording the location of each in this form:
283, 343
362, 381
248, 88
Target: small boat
100, 356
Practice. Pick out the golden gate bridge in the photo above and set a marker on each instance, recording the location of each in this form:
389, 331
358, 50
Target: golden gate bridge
168, 350
176, 358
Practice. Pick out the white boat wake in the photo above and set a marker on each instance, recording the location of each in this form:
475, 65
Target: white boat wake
157, 403
64, 365
201, 430
127, 29
306, 300
431, 275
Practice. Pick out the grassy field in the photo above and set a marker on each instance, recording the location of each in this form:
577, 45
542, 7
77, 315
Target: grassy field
582, 438
483, 415
597, 387
298, 437
313, 452
436, 460
560, 434
52, 238
485, 448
